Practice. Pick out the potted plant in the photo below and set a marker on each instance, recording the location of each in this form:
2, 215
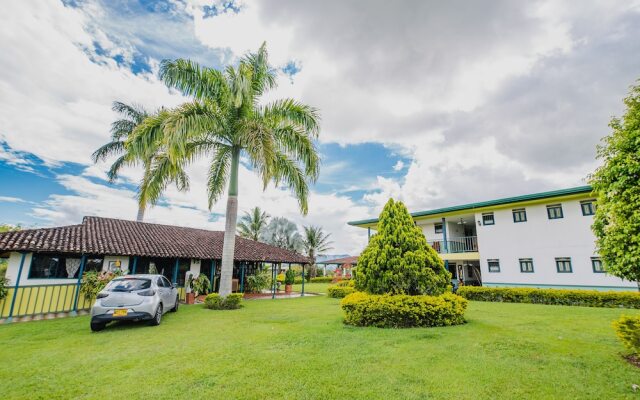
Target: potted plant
289, 279
199, 286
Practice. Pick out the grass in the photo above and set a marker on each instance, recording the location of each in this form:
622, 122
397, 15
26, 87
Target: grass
312, 287
299, 349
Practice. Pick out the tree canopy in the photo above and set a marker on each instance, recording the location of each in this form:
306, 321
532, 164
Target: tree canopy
253, 223
398, 259
617, 185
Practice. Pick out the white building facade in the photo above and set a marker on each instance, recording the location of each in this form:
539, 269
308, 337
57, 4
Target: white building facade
539, 240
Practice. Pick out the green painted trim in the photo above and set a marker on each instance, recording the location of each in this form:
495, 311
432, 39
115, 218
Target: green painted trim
551, 286
233, 176
506, 200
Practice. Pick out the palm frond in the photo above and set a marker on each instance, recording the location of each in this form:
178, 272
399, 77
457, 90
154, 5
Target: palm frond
108, 150
118, 164
218, 173
194, 80
287, 171
292, 112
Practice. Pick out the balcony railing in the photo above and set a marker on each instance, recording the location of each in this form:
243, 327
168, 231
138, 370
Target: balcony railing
465, 244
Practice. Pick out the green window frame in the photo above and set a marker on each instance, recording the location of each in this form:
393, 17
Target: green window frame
596, 264
526, 265
488, 219
493, 265
519, 215
588, 207
563, 265
437, 227
554, 211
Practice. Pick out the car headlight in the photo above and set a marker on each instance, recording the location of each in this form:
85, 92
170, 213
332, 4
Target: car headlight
102, 295
148, 292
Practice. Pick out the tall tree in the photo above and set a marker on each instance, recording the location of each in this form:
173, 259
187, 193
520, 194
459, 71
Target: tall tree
121, 130
315, 242
226, 120
253, 223
283, 233
617, 184
398, 259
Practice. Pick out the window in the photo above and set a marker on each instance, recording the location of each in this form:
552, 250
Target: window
596, 263
54, 266
526, 265
494, 265
554, 211
588, 207
487, 219
563, 265
520, 215
438, 228
93, 264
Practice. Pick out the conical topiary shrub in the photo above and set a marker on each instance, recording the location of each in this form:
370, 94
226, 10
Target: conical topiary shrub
398, 259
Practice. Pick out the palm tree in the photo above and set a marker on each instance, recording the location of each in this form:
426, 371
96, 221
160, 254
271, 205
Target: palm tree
315, 242
226, 120
282, 233
121, 130
252, 224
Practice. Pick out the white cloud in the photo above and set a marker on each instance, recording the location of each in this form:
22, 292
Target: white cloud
399, 166
9, 199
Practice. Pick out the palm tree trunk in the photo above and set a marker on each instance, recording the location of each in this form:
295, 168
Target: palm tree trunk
228, 248
142, 200
140, 216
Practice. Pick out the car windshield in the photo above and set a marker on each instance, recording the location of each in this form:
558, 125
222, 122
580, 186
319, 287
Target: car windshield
128, 284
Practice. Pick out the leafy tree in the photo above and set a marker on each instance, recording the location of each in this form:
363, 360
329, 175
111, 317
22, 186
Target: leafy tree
282, 233
146, 153
617, 185
9, 228
398, 259
314, 243
253, 223
227, 120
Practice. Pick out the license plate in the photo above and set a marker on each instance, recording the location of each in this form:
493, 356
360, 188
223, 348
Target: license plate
120, 313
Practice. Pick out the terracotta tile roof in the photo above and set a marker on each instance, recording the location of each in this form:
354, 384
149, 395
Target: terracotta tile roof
353, 260
128, 238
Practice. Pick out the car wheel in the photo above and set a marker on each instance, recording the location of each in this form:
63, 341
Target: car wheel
157, 318
97, 326
175, 308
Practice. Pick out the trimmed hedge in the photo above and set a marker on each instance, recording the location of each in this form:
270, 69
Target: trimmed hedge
565, 297
346, 282
321, 279
403, 311
628, 330
338, 292
213, 301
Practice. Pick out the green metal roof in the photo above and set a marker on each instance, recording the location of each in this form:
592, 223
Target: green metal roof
506, 200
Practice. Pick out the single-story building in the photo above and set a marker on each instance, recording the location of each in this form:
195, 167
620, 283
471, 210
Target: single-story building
343, 265
52, 260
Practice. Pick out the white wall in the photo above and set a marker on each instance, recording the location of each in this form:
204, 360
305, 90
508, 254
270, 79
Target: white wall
542, 240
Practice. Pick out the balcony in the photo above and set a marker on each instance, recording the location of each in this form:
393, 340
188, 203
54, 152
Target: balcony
467, 244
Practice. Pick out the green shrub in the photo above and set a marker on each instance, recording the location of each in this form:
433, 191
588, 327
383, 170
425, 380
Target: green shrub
213, 301
403, 311
93, 282
398, 259
257, 283
322, 279
4, 282
628, 330
347, 282
566, 297
289, 277
199, 285
338, 292
3, 267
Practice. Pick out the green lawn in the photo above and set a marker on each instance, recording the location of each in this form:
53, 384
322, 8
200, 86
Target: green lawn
299, 349
312, 287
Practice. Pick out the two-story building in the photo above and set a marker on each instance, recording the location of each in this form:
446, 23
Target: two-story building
538, 240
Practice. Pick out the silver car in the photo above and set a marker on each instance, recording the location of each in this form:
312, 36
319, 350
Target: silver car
134, 298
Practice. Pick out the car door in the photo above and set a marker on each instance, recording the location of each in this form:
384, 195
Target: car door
172, 293
163, 291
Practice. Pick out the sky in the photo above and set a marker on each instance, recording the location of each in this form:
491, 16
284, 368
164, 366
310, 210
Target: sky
429, 102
